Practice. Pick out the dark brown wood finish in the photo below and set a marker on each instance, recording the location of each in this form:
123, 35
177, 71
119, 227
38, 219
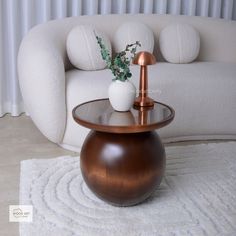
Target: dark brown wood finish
122, 164
122, 169
125, 129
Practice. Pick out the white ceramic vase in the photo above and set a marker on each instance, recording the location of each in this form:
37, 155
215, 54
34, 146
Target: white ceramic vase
121, 95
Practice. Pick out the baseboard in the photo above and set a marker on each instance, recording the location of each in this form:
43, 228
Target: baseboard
198, 138
70, 148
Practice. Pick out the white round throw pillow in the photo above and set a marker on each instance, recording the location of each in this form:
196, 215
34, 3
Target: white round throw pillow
130, 32
83, 50
179, 43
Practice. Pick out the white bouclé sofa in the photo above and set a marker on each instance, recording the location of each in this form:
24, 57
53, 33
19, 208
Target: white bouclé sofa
203, 93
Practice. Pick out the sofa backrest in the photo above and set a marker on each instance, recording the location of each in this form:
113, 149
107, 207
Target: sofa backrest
218, 37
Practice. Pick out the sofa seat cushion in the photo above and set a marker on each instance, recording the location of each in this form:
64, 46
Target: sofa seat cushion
204, 90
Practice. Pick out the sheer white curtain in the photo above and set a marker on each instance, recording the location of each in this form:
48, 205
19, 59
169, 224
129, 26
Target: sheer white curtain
18, 16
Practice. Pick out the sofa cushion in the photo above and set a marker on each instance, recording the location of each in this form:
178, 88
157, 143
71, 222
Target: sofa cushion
179, 43
83, 50
130, 32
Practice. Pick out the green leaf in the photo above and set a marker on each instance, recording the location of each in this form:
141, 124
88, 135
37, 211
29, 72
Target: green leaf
119, 65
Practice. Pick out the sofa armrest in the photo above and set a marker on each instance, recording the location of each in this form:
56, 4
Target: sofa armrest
41, 72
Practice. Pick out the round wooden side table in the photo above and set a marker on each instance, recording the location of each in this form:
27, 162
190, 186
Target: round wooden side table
122, 158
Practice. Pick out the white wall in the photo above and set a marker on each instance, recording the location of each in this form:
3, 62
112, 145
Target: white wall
18, 16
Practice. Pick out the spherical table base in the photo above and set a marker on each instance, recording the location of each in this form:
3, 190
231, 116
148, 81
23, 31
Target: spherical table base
123, 169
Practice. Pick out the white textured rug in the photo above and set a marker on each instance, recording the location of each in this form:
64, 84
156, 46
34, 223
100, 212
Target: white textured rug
197, 197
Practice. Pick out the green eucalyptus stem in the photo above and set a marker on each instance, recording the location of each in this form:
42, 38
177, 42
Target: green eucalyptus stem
119, 65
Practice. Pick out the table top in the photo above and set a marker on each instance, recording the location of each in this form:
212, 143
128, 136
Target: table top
100, 116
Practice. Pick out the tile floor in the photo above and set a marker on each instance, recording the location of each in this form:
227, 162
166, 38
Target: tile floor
19, 140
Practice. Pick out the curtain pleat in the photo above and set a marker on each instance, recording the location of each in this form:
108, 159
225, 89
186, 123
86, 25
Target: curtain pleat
59, 9
133, 6
190, 8
12, 101
202, 7
28, 16
119, 7
75, 8
215, 8
147, 6
160, 6
234, 11
105, 7
174, 7
2, 111
89, 7
18, 16
45, 9
227, 9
